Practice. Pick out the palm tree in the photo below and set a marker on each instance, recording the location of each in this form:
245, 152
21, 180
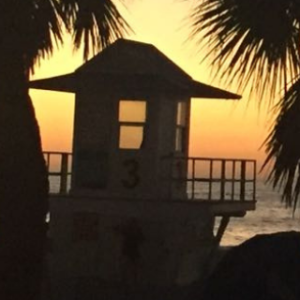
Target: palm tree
29, 31
256, 44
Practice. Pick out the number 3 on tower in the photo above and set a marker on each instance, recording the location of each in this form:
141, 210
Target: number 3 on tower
132, 168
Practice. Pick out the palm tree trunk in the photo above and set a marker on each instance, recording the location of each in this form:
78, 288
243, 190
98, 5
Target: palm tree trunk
23, 185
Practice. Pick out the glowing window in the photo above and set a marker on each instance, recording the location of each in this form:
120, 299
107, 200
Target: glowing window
181, 114
131, 137
132, 119
132, 111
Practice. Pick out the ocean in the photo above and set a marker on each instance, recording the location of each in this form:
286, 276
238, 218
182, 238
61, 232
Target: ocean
271, 215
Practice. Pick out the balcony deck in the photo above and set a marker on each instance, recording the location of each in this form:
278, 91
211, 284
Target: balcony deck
228, 186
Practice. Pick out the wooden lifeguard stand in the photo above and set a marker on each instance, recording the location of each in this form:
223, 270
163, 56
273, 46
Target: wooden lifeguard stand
132, 115
131, 176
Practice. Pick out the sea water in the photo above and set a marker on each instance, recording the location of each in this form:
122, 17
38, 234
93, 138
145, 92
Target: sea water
271, 215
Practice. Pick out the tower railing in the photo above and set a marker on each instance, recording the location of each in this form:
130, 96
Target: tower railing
198, 178
215, 178
59, 171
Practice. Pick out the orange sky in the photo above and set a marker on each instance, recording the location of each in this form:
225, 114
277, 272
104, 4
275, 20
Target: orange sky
219, 128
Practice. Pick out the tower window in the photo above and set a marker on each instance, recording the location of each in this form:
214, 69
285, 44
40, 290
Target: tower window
132, 120
181, 120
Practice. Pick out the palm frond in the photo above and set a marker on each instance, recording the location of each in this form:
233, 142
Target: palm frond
34, 27
283, 146
254, 42
93, 23
30, 27
44, 30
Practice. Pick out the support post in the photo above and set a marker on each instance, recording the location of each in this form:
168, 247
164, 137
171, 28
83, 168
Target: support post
222, 190
221, 230
64, 173
243, 179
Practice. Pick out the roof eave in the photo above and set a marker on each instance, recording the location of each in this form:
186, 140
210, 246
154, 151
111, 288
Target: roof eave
63, 83
69, 83
201, 90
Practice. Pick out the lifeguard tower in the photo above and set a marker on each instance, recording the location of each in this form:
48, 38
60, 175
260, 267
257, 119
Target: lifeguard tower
131, 205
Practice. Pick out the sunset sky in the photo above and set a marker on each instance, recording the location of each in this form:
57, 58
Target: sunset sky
218, 129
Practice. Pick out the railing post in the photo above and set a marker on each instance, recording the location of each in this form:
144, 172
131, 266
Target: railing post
64, 173
193, 178
243, 179
254, 181
47, 154
210, 179
233, 180
223, 164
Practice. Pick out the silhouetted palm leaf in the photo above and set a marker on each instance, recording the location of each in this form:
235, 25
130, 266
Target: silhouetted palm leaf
283, 144
93, 23
35, 26
32, 26
255, 42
